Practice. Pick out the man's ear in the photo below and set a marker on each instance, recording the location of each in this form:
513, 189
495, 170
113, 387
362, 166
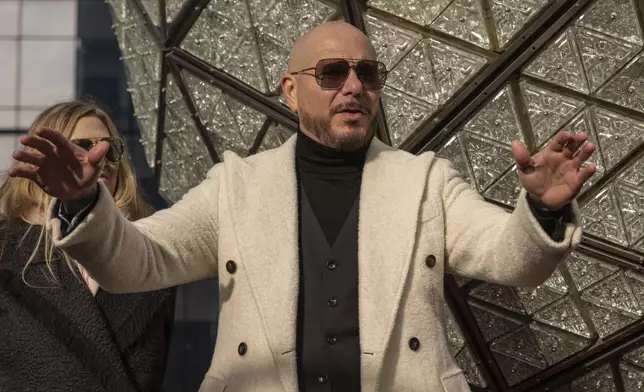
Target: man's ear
289, 88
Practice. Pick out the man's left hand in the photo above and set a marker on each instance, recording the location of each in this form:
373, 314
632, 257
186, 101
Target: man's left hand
553, 177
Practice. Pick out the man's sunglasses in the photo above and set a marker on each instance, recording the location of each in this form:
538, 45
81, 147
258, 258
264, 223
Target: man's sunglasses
332, 73
113, 155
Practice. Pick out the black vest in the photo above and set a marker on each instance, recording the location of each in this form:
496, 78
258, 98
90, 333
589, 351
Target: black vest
328, 340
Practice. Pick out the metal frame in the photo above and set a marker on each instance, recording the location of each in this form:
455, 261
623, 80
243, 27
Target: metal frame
547, 25
194, 112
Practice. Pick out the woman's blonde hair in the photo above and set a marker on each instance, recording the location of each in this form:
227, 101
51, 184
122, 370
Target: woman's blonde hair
20, 197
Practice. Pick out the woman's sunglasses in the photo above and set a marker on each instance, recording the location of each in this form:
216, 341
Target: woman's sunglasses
113, 155
332, 73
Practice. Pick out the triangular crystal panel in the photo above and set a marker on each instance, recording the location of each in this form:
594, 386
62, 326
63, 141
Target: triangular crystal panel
234, 10
142, 57
245, 64
522, 345
606, 321
468, 363
564, 314
511, 15
275, 59
536, 298
498, 119
636, 356
232, 126
514, 371
557, 345
452, 68
152, 9
422, 12
404, 113
390, 41
586, 270
618, 134
547, 110
489, 158
506, 190
633, 175
414, 75
602, 55
633, 377
185, 157
626, 88
463, 19
631, 202
492, 324
172, 7
636, 283
613, 292
600, 380
502, 296
454, 151
454, 335
601, 217
617, 18
285, 21
214, 38
275, 137
560, 63
557, 283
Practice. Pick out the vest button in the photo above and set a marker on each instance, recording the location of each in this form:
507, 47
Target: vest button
333, 302
331, 265
414, 344
242, 349
331, 339
323, 378
430, 261
231, 267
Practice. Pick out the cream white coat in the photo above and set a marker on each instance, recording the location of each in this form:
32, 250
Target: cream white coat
246, 210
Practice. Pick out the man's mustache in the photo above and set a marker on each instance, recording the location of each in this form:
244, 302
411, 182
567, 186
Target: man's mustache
353, 106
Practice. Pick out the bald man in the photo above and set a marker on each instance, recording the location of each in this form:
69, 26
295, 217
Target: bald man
330, 251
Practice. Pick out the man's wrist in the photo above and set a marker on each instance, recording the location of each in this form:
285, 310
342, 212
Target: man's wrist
73, 207
539, 205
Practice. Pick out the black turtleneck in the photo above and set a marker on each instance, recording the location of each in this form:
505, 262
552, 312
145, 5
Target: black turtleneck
328, 338
331, 180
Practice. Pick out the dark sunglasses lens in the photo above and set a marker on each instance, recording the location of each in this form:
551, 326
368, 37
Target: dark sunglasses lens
371, 73
332, 73
115, 152
85, 144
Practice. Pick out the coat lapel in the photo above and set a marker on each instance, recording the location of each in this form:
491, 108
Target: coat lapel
263, 199
392, 189
262, 194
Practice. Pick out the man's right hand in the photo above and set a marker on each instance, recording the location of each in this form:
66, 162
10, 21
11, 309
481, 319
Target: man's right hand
61, 168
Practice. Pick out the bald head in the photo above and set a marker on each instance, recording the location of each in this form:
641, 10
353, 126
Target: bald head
330, 39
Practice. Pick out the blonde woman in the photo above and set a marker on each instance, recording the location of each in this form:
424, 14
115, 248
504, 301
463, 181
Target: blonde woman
58, 330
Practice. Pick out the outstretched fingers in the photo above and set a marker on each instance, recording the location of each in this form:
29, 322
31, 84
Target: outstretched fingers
27, 172
31, 157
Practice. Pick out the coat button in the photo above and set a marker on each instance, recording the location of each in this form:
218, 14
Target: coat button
231, 267
333, 302
242, 349
323, 378
331, 340
331, 265
414, 344
430, 261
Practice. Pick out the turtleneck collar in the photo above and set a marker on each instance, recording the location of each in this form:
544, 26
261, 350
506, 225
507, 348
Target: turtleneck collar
315, 157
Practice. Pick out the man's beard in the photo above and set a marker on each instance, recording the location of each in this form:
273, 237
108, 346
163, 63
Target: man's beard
321, 129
